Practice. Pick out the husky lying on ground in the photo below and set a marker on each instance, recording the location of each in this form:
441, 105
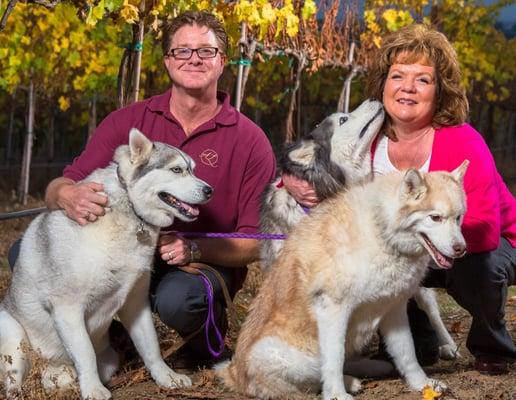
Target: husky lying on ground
334, 156
70, 281
343, 273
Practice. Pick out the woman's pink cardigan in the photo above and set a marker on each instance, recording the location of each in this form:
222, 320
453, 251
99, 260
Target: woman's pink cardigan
491, 207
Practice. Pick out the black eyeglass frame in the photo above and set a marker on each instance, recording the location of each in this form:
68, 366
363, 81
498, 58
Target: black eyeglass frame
171, 52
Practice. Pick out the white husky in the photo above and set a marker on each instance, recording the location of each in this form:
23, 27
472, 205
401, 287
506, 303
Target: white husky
70, 281
343, 273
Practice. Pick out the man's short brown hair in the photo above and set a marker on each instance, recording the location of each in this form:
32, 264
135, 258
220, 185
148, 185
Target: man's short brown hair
200, 18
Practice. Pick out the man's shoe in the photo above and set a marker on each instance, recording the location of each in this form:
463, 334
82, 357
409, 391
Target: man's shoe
491, 365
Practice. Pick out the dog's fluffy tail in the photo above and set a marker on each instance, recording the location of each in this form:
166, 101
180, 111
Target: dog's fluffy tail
14, 362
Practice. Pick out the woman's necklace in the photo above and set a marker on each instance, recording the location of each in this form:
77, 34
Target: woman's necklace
413, 152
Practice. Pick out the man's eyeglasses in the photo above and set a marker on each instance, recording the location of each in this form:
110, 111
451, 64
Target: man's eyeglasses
184, 53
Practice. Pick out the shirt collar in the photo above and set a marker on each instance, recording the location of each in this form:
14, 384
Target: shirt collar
227, 115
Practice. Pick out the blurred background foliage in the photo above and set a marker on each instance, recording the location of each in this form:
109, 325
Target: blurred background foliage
300, 61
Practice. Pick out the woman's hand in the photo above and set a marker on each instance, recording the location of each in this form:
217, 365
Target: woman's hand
302, 191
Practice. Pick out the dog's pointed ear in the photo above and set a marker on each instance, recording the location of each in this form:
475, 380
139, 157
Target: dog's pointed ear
140, 146
303, 154
413, 185
459, 172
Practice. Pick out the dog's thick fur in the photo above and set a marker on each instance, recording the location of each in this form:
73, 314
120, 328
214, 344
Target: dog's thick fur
335, 155
343, 273
70, 281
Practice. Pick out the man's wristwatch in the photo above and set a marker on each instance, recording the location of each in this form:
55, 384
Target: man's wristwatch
195, 253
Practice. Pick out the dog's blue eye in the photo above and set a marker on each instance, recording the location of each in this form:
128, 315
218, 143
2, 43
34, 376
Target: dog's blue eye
176, 170
342, 120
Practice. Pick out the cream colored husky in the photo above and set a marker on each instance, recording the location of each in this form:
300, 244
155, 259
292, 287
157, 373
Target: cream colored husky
346, 271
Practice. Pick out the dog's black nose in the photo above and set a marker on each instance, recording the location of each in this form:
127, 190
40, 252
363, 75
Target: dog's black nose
208, 191
459, 249
342, 120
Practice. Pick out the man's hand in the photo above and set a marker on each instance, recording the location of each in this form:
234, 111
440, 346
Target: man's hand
82, 202
174, 249
301, 190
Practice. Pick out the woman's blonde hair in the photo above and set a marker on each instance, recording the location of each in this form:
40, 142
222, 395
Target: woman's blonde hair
417, 43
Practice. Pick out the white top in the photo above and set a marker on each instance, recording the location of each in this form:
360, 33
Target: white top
382, 165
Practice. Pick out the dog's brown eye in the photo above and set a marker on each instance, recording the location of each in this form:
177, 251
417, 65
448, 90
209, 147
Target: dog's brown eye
176, 170
342, 120
436, 218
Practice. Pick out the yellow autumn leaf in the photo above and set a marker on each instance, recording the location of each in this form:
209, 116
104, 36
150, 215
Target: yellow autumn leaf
64, 103
129, 13
292, 25
430, 394
377, 40
204, 5
65, 43
309, 9
268, 13
42, 24
14, 61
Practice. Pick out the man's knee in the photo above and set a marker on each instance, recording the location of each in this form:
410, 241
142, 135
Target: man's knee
181, 314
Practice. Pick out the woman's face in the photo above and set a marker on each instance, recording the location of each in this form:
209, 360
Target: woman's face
409, 95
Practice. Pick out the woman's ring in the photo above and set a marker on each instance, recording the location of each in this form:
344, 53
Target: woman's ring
170, 255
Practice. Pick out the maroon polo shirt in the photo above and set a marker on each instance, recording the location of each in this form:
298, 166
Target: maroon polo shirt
231, 153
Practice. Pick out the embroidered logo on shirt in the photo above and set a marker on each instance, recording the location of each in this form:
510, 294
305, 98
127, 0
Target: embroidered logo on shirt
209, 157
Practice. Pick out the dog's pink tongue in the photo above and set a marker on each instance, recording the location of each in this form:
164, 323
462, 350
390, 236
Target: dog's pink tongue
194, 211
442, 260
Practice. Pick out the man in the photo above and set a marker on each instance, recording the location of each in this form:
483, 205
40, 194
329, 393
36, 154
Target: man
231, 153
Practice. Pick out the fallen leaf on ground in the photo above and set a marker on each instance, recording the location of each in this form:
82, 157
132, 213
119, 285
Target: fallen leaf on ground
512, 299
456, 328
430, 394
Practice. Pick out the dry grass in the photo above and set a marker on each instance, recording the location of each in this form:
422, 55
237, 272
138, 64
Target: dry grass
464, 382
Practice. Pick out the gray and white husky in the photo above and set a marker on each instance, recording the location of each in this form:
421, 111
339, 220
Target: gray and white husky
335, 155
70, 281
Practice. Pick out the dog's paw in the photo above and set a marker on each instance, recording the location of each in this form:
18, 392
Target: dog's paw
59, 377
170, 379
433, 384
96, 393
449, 352
437, 385
352, 384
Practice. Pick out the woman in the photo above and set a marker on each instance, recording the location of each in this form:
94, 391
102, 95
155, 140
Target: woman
417, 75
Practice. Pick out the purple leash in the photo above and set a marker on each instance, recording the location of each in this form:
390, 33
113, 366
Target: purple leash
210, 319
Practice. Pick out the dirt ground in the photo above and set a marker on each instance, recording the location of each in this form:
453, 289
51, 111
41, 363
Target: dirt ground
463, 381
